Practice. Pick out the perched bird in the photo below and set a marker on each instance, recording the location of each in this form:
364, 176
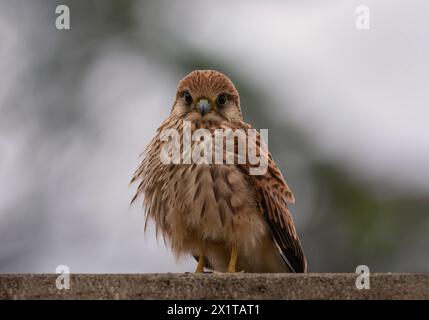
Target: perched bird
226, 218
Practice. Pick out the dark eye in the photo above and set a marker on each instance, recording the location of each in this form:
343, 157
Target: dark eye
222, 99
187, 97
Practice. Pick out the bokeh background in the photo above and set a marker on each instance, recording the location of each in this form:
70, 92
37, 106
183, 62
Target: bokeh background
347, 112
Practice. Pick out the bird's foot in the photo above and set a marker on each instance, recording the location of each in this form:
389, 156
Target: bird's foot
199, 270
230, 270
232, 260
200, 265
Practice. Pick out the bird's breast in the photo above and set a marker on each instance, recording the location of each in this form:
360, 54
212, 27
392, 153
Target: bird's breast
208, 199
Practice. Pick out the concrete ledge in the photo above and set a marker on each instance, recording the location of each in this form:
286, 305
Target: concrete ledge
214, 286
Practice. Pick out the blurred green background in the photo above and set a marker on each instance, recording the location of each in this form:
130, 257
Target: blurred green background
346, 110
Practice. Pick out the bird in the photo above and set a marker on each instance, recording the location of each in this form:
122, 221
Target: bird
226, 218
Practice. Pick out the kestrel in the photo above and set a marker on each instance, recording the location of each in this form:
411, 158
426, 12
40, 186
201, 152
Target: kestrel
228, 219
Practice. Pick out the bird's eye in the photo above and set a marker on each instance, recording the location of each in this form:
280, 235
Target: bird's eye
187, 97
222, 99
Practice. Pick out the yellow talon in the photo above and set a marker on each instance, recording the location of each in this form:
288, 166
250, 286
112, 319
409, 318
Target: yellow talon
233, 259
200, 265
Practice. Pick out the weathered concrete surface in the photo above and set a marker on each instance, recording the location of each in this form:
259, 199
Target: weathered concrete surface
214, 286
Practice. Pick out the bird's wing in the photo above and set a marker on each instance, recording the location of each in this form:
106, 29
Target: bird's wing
273, 196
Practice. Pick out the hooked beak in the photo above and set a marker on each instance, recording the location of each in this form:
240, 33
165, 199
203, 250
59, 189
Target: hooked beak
203, 107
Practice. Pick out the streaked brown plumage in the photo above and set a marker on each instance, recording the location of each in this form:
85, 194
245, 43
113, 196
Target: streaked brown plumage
226, 218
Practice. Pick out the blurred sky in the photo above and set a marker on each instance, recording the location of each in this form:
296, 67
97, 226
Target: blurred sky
77, 107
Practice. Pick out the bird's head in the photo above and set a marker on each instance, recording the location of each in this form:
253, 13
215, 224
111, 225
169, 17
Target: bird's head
207, 95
